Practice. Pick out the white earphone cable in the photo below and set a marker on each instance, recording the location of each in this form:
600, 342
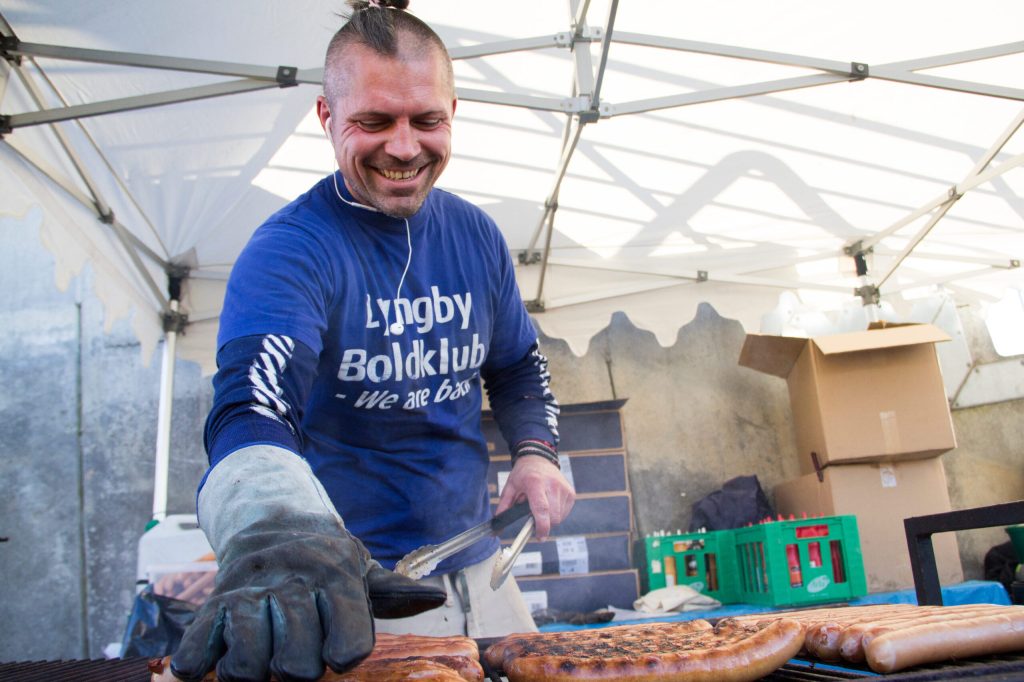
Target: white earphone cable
408, 261
398, 325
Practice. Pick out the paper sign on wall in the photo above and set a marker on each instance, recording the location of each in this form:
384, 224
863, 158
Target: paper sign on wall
573, 557
888, 476
528, 563
536, 600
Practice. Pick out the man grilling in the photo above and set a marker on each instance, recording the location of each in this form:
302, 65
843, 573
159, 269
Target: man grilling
358, 326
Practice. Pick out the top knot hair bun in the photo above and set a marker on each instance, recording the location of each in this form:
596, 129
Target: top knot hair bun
358, 5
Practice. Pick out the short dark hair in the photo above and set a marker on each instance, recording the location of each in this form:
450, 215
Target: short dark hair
381, 26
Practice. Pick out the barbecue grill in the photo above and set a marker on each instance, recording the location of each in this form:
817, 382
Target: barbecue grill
919, 531
112, 670
989, 669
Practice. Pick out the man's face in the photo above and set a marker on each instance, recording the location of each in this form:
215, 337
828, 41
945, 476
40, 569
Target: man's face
390, 127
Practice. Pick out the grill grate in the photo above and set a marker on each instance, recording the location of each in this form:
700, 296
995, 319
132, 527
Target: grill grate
989, 669
97, 670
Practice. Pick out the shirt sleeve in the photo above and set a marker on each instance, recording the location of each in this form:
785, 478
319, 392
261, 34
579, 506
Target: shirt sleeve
282, 283
260, 388
520, 396
269, 341
516, 372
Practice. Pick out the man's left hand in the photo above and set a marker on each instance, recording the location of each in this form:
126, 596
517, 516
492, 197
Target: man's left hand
539, 481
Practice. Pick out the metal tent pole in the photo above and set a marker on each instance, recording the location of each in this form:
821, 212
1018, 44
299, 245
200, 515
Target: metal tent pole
174, 323
163, 424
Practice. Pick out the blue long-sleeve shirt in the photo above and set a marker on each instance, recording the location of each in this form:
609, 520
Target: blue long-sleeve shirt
388, 415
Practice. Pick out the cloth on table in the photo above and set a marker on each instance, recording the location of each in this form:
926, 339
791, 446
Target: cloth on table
673, 599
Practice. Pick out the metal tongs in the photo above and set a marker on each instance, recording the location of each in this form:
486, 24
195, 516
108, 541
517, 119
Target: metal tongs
421, 562
507, 558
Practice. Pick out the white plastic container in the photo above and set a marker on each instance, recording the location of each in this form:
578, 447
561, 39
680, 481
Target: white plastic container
174, 545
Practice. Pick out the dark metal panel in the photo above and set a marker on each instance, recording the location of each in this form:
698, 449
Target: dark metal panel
919, 530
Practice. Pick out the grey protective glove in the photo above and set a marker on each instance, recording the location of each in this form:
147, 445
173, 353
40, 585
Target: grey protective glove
295, 590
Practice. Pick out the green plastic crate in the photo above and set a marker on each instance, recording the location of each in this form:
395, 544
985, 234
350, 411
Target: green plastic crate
704, 561
787, 563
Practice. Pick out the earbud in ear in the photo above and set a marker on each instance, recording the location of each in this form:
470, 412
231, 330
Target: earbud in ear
327, 130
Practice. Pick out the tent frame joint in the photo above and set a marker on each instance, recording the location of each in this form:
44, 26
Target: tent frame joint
287, 76
585, 34
527, 257
534, 306
858, 251
5, 125
869, 294
859, 70
702, 275
9, 45
174, 321
857, 247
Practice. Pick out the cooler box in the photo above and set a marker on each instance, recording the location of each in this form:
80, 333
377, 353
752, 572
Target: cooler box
176, 559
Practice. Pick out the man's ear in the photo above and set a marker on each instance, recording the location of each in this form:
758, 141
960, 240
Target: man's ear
323, 112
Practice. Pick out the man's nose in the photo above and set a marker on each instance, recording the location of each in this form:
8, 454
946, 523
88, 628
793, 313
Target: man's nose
403, 144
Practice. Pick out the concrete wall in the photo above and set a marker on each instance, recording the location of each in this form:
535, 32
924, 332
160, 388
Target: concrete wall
77, 434
693, 417
987, 467
78, 427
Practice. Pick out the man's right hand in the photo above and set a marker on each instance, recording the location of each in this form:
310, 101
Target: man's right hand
295, 591
291, 596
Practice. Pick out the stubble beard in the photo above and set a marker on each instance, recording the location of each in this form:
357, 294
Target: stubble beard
401, 206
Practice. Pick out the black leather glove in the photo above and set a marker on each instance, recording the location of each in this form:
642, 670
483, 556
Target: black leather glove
293, 595
290, 596
395, 596
295, 591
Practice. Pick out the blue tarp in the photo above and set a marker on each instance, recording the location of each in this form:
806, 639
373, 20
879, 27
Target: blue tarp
970, 592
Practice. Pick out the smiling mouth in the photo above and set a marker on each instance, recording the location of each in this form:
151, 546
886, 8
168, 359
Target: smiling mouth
398, 175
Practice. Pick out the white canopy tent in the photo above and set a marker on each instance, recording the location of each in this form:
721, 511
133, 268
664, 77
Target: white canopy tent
639, 156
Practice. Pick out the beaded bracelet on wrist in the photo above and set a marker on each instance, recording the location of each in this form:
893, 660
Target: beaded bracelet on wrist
535, 447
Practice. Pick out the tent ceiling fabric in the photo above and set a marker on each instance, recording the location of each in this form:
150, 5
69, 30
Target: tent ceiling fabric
683, 184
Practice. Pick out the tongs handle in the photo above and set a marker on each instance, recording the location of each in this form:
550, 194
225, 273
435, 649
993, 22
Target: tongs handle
422, 561
506, 518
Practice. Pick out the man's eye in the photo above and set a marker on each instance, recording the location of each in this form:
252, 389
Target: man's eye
372, 126
428, 123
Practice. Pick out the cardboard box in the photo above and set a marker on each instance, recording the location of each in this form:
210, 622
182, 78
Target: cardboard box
874, 395
880, 496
